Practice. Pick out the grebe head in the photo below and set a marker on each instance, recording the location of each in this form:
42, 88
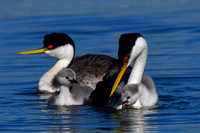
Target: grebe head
66, 77
58, 45
131, 46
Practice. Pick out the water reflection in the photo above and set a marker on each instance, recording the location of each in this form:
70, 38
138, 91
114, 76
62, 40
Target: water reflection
86, 118
44, 96
135, 120
62, 118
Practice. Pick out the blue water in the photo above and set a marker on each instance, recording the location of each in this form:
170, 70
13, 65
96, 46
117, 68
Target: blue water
171, 28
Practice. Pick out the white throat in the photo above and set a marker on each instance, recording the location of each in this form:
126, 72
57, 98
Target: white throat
64, 55
139, 53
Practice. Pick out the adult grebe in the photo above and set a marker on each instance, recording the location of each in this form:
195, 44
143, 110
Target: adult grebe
70, 92
89, 68
134, 89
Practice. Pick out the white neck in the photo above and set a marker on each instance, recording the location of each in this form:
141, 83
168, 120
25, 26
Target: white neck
140, 62
45, 83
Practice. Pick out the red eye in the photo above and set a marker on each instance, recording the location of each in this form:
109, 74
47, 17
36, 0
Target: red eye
50, 46
125, 58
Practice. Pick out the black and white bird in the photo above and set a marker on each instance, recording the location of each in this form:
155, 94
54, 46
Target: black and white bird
70, 92
89, 68
134, 89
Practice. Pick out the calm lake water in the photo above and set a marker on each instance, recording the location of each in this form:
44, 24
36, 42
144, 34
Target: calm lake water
172, 30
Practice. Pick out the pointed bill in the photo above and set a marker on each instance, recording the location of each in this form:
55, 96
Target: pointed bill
42, 50
121, 73
121, 105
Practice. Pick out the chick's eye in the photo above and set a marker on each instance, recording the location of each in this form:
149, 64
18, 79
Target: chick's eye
50, 46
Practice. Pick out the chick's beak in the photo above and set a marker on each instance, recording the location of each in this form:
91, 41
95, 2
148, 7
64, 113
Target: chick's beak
121, 105
121, 73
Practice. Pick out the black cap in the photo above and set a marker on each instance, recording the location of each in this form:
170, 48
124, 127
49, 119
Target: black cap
126, 43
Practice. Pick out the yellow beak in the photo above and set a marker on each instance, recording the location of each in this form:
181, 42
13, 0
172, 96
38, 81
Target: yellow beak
121, 73
42, 50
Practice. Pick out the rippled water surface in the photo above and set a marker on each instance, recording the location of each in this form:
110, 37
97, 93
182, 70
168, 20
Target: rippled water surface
172, 31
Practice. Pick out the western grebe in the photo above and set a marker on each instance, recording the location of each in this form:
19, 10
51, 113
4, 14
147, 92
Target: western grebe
135, 89
89, 68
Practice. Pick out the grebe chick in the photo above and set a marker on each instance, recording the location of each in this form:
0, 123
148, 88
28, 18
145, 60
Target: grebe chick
70, 92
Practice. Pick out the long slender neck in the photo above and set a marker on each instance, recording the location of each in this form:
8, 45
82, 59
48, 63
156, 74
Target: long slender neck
58, 66
46, 81
138, 68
